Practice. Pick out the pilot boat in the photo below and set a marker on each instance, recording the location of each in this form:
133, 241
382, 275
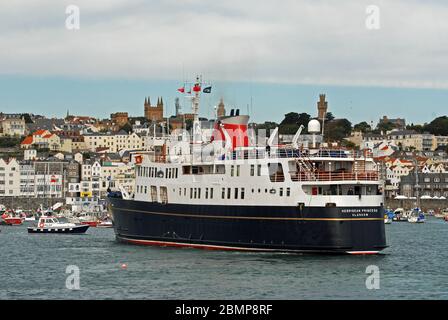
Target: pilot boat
48, 224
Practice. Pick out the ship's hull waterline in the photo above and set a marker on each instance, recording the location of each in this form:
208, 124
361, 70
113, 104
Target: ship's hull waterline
350, 230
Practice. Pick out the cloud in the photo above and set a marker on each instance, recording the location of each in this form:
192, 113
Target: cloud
290, 41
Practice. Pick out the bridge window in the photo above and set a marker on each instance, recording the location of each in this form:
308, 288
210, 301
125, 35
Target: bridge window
276, 172
252, 170
153, 193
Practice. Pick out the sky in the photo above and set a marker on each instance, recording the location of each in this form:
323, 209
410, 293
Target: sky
266, 58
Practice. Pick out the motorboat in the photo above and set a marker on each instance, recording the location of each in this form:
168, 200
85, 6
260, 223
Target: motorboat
388, 217
49, 224
400, 215
105, 224
416, 216
85, 218
12, 219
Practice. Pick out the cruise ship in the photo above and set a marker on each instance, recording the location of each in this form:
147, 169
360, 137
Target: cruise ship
232, 191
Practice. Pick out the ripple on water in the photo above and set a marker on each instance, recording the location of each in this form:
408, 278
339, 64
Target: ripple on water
33, 267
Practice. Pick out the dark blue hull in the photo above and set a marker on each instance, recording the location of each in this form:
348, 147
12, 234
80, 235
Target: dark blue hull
254, 228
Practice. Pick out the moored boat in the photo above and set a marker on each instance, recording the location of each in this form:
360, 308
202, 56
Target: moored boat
416, 216
400, 215
105, 224
48, 224
12, 220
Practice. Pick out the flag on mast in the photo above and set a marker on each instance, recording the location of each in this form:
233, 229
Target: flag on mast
207, 89
182, 90
197, 87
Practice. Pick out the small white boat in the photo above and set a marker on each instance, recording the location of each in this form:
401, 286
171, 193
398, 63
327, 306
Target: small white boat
416, 216
105, 224
400, 215
48, 224
30, 218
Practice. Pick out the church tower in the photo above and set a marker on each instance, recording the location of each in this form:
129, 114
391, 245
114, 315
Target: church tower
322, 107
153, 113
221, 112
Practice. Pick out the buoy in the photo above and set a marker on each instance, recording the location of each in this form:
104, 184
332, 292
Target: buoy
124, 266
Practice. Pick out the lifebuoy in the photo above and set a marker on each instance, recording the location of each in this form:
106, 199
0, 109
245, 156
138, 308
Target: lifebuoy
41, 224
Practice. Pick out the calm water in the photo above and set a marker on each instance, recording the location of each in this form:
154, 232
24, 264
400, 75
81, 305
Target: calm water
33, 267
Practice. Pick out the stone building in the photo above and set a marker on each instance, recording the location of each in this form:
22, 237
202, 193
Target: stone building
221, 111
322, 107
119, 118
154, 113
431, 184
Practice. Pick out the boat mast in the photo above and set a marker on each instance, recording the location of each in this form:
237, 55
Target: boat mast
417, 193
195, 110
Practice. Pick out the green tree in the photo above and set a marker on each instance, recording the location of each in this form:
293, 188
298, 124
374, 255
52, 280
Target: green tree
127, 127
9, 142
188, 124
439, 126
27, 118
329, 116
337, 130
385, 126
363, 127
417, 128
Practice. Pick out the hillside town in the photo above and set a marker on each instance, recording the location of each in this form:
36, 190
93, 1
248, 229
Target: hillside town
77, 159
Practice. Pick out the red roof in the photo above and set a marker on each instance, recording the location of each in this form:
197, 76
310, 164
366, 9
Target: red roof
39, 132
48, 136
27, 140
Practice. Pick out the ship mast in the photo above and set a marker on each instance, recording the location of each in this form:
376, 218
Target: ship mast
197, 137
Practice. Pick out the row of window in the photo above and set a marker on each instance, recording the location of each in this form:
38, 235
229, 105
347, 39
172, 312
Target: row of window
435, 179
152, 172
226, 193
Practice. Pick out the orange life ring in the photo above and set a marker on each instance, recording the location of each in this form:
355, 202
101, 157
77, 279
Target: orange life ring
41, 224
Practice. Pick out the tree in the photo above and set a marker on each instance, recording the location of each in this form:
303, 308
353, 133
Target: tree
363, 127
385, 126
417, 128
27, 118
126, 127
9, 142
439, 126
329, 116
188, 125
290, 118
293, 121
337, 130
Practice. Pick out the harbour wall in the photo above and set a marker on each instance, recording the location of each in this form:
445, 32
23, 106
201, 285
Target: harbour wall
29, 203
409, 204
35, 203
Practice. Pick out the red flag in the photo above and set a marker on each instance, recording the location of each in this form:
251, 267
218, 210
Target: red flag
197, 87
181, 89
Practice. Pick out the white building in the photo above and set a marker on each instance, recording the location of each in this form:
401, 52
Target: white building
27, 180
9, 178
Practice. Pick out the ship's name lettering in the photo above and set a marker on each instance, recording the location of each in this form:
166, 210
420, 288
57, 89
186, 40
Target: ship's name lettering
359, 210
